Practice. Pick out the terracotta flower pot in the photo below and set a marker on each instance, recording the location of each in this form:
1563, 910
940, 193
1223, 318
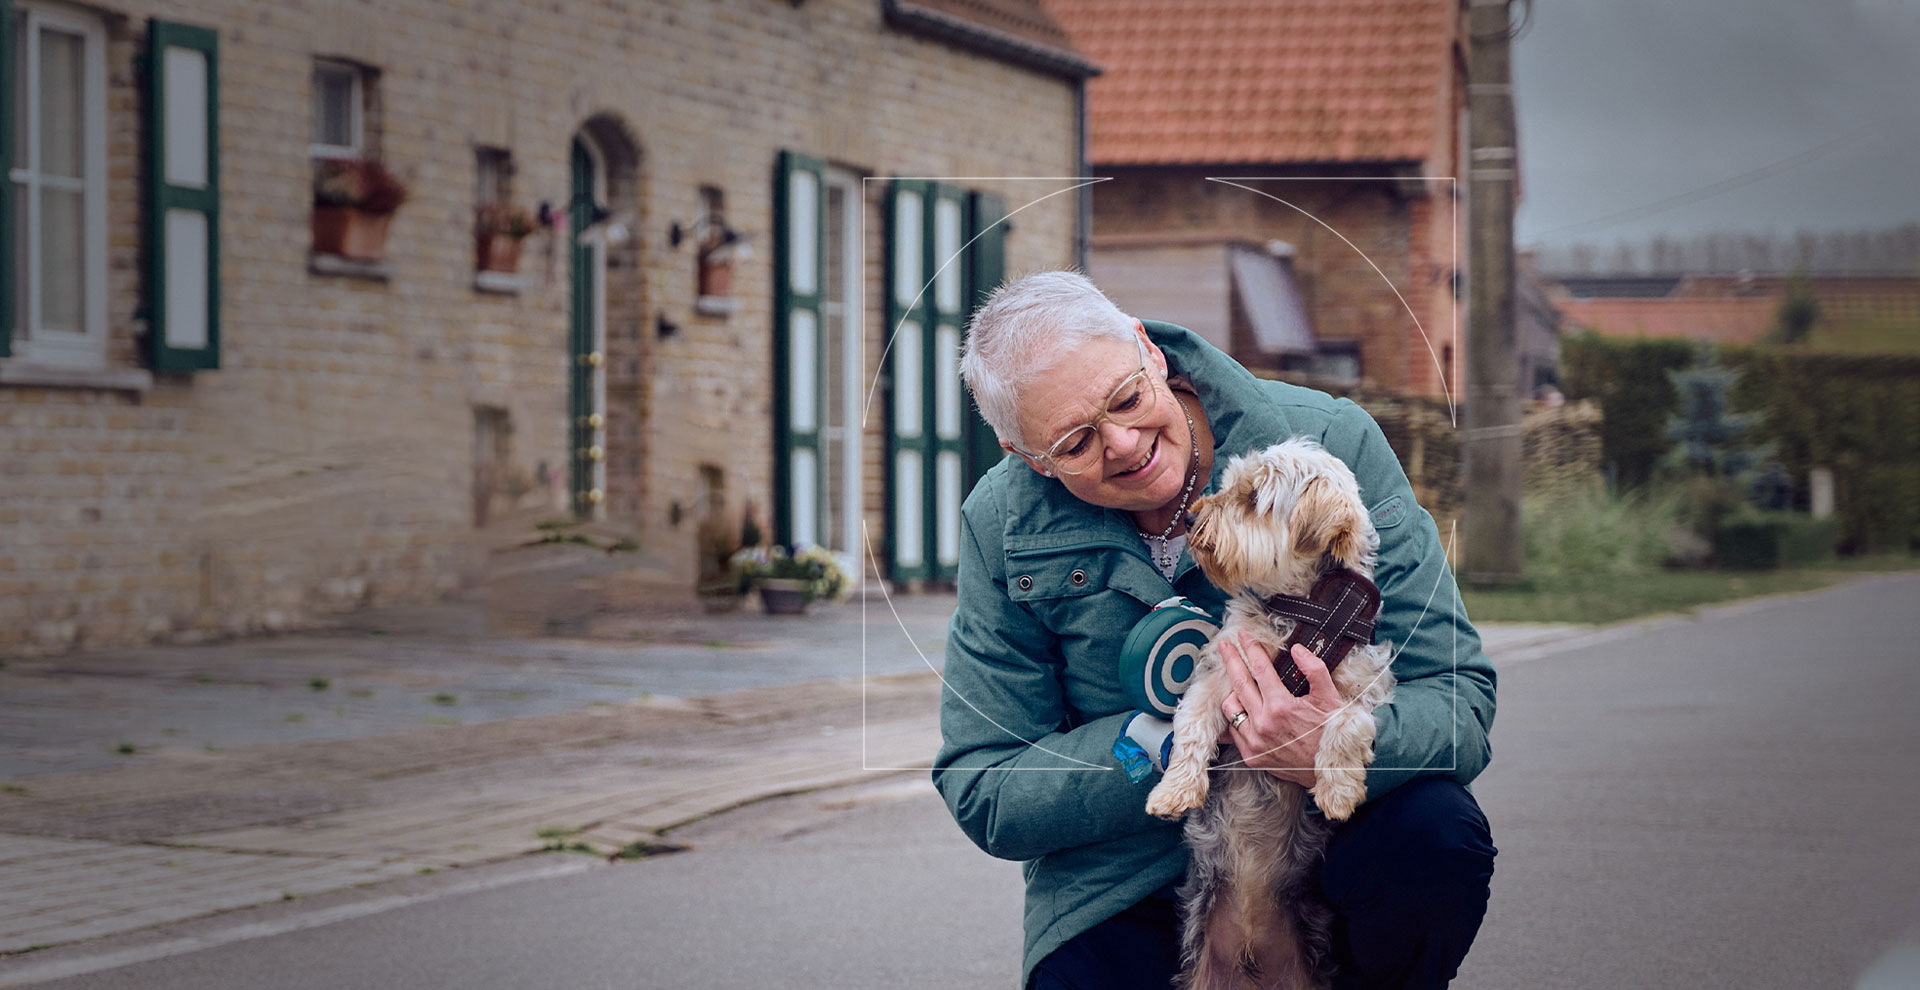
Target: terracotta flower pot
497, 252
716, 277
350, 232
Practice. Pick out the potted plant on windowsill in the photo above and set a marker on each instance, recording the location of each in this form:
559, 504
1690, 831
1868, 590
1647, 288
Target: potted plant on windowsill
497, 232
354, 200
790, 580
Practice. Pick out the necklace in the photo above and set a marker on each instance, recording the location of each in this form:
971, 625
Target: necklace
1162, 555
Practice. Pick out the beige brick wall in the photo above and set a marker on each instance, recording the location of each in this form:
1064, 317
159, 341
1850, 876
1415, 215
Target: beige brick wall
329, 463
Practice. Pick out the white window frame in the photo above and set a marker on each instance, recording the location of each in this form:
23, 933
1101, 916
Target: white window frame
852, 351
33, 343
356, 116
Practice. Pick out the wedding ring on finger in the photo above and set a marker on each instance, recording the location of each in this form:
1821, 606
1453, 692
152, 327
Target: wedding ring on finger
1237, 719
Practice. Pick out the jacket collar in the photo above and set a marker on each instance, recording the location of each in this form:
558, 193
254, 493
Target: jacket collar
1042, 513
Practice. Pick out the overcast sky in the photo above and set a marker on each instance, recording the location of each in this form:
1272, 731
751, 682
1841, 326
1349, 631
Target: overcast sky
1624, 103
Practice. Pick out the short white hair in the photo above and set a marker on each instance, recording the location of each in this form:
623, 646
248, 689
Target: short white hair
1023, 329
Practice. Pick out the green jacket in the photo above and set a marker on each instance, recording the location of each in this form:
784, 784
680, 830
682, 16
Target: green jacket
1049, 587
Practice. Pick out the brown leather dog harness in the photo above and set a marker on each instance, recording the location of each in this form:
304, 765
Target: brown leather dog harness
1335, 618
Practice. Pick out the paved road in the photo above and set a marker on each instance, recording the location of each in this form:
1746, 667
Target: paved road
1727, 801
377, 676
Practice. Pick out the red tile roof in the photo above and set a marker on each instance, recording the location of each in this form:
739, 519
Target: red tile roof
1265, 81
1723, 321
1020, 30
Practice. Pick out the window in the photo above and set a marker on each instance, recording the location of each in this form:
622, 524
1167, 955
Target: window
338, 110
1339, 360
57, 186
495, 175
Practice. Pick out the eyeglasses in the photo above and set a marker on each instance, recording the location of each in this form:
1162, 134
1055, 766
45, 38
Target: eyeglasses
1080, 448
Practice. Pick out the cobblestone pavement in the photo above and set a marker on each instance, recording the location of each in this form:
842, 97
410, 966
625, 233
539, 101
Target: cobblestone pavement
275, 769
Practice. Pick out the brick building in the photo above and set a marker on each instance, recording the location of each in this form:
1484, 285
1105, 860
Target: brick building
215, 419
1879, 311
1328, 251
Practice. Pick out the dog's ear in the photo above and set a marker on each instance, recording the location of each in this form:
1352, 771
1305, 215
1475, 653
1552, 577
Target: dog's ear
1326, 520
1264, 487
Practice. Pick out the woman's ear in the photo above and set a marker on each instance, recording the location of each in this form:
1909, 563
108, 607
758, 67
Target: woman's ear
1030, 461
1155, 356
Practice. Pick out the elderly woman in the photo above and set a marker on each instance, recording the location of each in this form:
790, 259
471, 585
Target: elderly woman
1117, 426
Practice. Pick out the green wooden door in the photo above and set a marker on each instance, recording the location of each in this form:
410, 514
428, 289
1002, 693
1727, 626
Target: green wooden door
583, 354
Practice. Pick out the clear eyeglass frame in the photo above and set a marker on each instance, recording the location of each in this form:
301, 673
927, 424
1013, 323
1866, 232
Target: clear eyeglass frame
1081, 463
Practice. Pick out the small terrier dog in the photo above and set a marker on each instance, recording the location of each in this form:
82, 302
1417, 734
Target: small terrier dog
1251, 913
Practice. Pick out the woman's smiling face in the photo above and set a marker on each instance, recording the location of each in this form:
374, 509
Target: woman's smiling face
1140, 467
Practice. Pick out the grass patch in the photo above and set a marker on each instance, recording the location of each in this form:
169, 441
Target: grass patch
294, 717
126, 749
360, 693
1598, 558
14, 789
559, 838
319, 684
1600, 599
443, 698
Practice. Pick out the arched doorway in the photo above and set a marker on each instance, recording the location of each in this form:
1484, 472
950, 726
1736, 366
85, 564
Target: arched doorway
587, 332
604, 401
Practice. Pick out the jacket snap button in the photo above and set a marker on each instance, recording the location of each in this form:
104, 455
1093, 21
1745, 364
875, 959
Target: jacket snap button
1025, 582
1078, 577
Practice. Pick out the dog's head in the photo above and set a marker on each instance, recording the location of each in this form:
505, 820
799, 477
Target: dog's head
1279, 514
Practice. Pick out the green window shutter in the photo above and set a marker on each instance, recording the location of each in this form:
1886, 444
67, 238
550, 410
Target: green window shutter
183, 197
927, 302
6, 172
906, 348
987, 266
799, 393
948, 267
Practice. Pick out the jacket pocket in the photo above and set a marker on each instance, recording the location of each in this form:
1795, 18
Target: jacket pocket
1034, 575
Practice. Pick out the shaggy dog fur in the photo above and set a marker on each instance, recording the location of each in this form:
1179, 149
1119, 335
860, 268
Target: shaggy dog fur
1251, 914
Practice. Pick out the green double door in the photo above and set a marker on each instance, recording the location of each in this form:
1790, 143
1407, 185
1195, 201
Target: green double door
944, 252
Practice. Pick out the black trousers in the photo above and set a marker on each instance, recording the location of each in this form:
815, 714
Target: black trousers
1408, 877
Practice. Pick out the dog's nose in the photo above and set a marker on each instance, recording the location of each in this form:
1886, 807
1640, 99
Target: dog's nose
1186, 519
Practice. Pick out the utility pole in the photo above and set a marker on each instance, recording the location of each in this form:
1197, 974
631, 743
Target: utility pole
1493, 552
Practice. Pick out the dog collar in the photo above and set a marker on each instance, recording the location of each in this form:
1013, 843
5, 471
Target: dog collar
1336, 617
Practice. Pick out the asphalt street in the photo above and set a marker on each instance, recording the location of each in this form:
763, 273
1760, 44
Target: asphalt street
1727, 801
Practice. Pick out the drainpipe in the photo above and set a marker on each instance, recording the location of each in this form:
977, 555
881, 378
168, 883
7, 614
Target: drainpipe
1083, 223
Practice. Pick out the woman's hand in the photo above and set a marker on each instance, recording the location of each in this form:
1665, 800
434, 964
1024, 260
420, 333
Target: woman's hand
1281, 733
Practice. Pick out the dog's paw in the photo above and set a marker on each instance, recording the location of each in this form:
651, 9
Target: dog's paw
1173, 797
1339, 793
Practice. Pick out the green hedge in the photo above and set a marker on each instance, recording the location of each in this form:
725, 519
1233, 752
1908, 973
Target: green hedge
1628, 377
1858, 415
1762, 540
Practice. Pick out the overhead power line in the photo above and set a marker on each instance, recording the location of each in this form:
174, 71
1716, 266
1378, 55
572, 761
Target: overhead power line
1710, 190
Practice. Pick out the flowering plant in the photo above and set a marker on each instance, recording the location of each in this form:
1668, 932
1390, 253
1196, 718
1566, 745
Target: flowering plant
825, 573
361, 183
499, 218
